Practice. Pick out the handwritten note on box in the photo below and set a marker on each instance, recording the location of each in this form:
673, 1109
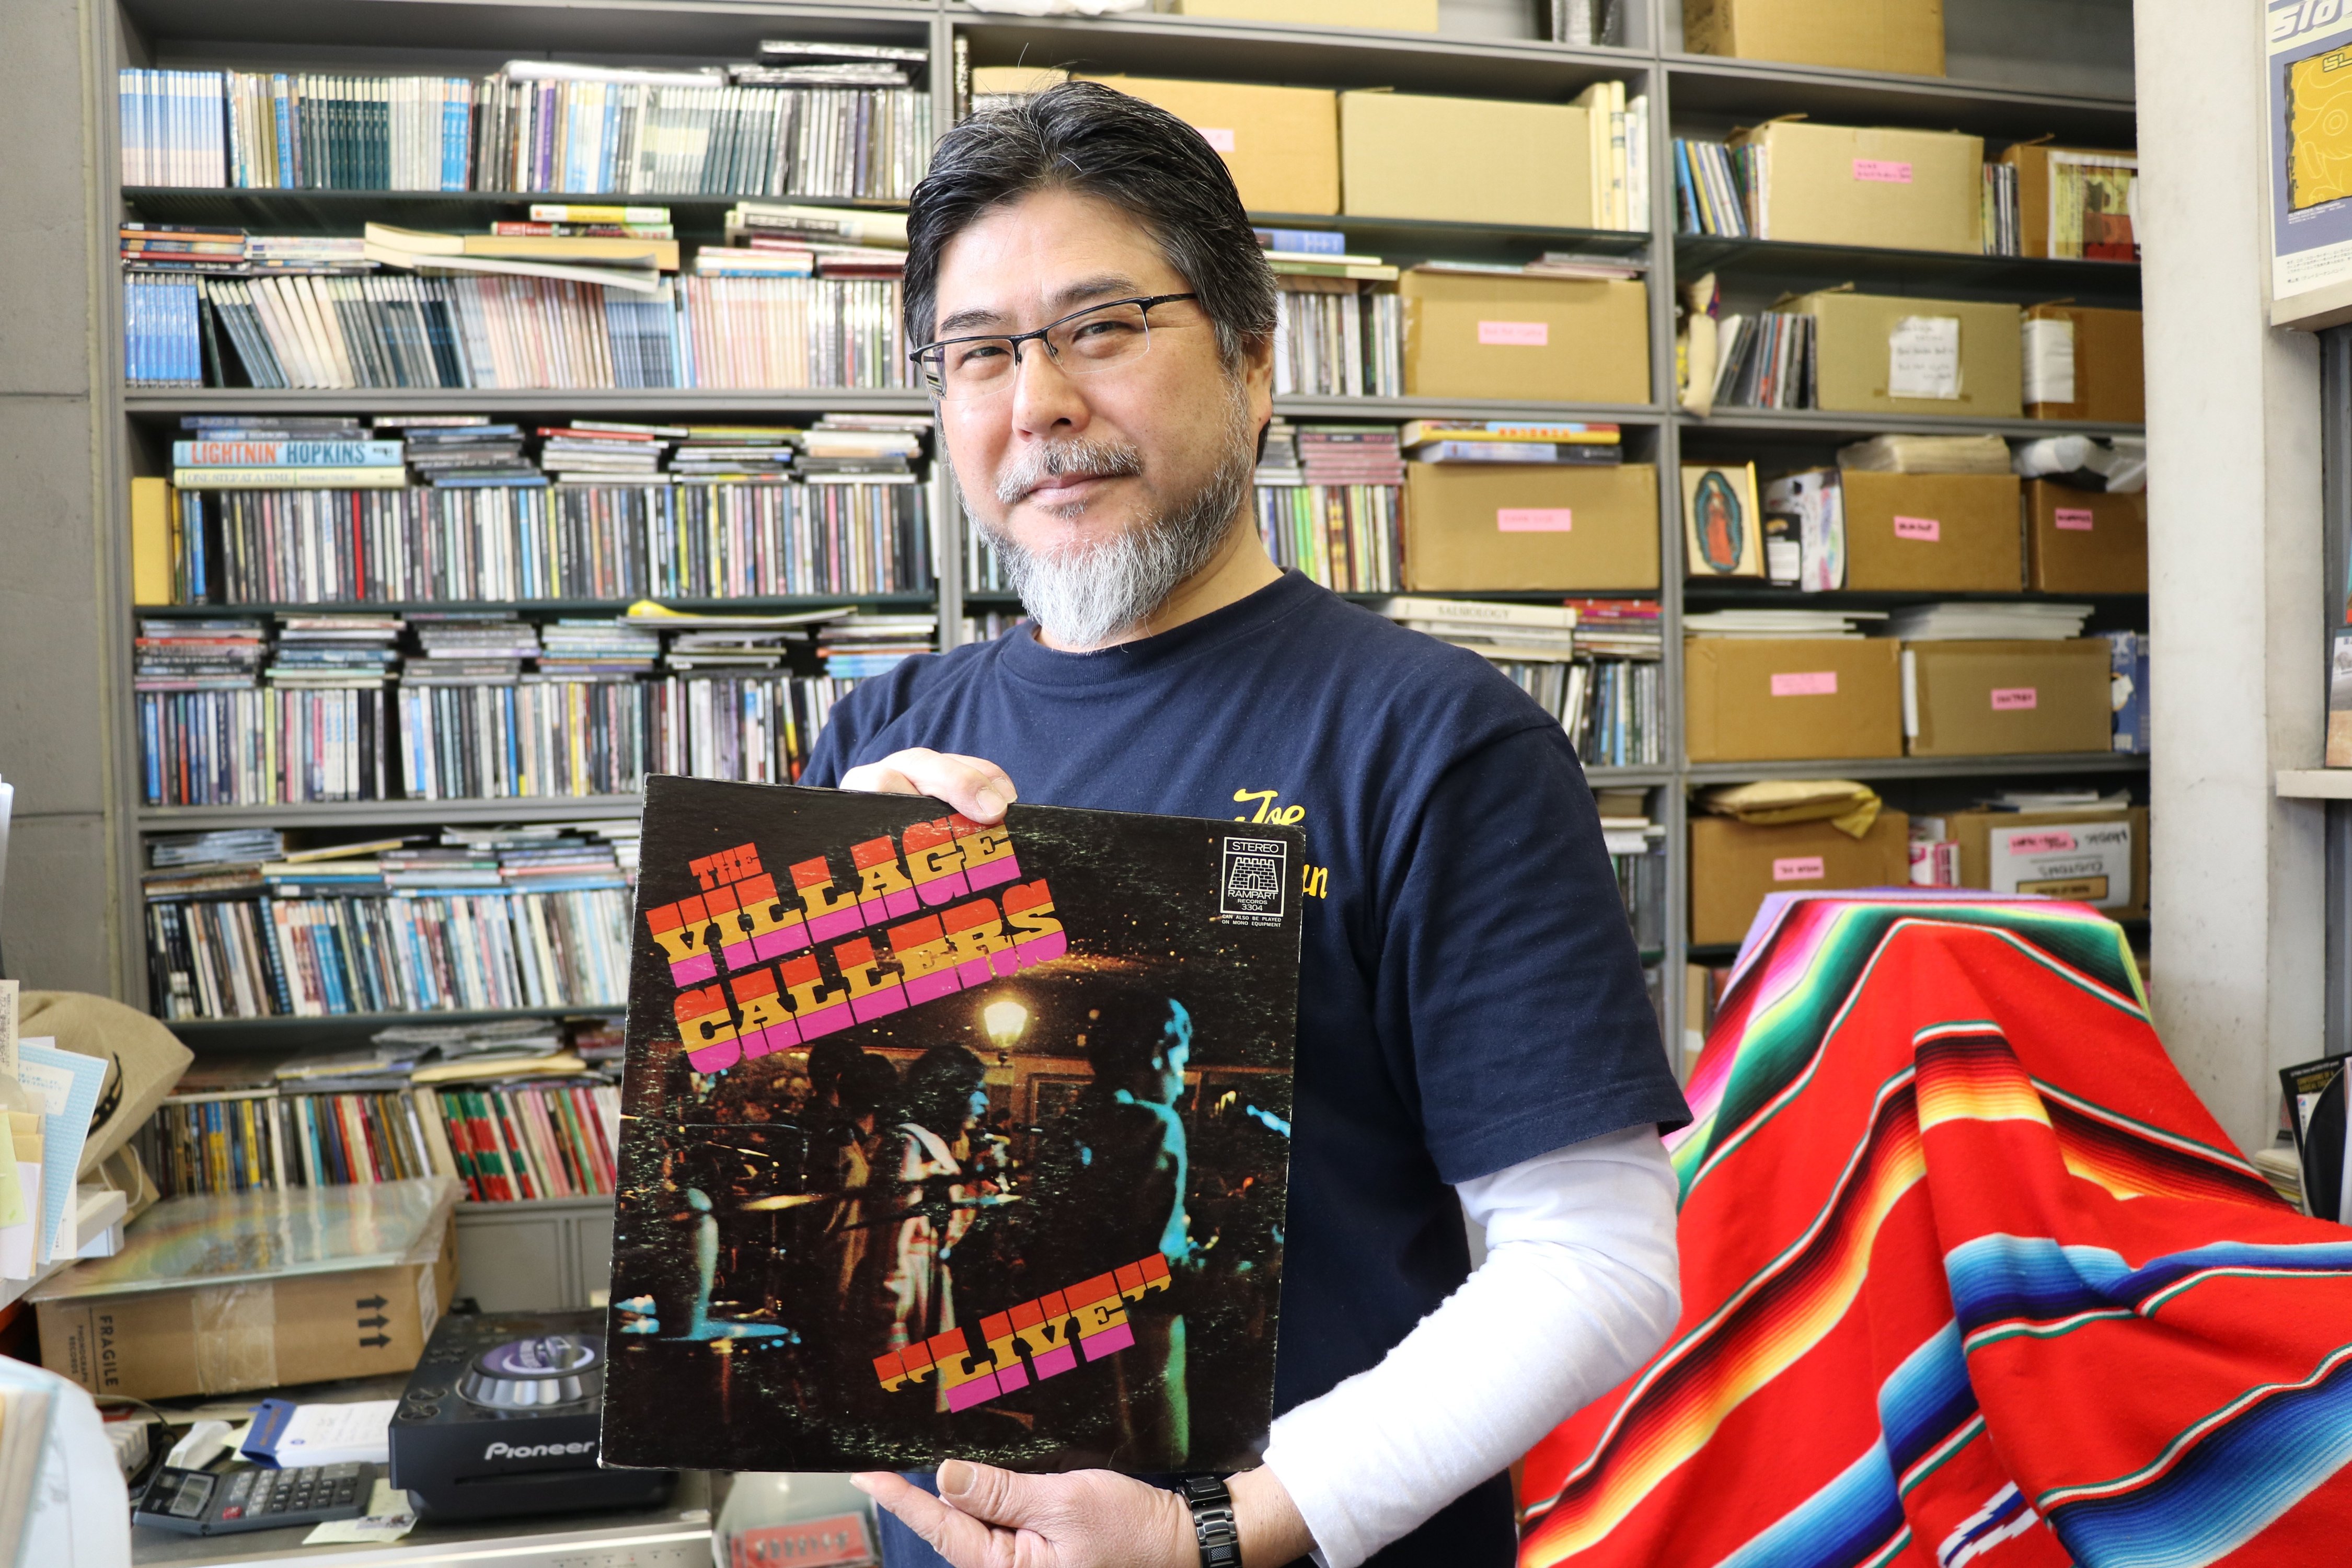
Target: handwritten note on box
1923, 358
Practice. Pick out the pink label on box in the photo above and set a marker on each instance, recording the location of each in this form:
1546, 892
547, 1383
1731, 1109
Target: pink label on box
1805, 683
1928, 529
1515, 335
2013, 699
2053, 841
1535, 519
1222, 140
1882, 171
2074, 519
1799, 868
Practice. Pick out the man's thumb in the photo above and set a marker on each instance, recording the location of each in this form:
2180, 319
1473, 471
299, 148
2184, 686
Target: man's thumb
985, 1492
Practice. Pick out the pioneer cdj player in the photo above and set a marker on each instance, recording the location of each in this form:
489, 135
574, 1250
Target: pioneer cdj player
500, 1418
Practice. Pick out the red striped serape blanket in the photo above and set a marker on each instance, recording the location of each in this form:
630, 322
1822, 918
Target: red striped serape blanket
1968, 1277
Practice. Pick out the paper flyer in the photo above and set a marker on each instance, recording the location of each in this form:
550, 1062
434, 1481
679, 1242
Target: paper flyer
66, 1085
2309, 93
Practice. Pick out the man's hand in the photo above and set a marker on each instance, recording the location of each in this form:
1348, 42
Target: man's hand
988, 1518
981, 790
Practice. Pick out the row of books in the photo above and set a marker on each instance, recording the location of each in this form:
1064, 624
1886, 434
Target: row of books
1593, 664
305, 331
472, 648
467, 451
1608, 706
1334, 338
528, 738
664, 540
506, 1142
1714, 195
1765, 361
1637, 854
787, 126
253, 958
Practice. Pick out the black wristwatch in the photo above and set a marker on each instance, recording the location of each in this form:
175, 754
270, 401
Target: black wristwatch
1212, 1521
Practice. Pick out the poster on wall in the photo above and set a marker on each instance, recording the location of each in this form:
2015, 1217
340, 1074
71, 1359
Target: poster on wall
2309, 96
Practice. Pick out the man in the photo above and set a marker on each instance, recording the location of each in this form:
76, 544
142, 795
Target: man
1097, 324
1109, 1184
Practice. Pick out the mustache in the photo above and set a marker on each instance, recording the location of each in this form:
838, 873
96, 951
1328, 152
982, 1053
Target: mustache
1103, 459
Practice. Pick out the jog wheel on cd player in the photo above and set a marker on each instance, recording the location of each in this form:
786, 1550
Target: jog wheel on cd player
536, 1371
500, 1418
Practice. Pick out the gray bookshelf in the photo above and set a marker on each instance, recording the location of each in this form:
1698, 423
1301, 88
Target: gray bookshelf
2021, 69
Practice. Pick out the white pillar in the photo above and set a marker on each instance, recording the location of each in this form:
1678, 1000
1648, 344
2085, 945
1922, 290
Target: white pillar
2235, 596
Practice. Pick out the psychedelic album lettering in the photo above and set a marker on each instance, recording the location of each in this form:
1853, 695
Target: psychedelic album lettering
944, 1141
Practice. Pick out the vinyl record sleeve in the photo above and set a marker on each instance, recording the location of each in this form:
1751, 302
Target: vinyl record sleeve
941, 1141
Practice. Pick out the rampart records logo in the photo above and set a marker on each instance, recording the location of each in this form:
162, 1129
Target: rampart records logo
1257, 872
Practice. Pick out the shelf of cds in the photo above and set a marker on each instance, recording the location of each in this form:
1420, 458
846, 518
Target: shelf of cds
623, 291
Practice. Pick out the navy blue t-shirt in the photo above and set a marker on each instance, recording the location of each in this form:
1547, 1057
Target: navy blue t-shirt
1470, 996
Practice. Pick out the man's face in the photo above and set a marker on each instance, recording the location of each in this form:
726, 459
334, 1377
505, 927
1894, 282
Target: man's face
1138, 443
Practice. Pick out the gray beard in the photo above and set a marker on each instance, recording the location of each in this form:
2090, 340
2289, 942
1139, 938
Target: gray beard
1086, 593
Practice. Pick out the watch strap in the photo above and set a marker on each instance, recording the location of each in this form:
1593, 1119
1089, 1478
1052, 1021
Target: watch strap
1213, 1525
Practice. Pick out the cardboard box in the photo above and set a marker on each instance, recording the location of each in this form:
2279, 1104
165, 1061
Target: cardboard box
1734, 865
1906, 36
1932, 531
1467, 160
1405, 16
2004, 698
2084, 542
2096, 857
1839, 184
1480, 526
2093, 357
1748, 699
219, 1339
1882, 353
1282, 144
2031, 162
1537, 339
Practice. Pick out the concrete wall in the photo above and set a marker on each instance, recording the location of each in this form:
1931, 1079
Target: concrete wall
56, 928
2236, 601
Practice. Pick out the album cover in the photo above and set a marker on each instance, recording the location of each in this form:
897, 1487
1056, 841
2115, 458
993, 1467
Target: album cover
950, 1142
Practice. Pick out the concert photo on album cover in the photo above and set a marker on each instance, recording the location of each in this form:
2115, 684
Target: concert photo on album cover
950, 1142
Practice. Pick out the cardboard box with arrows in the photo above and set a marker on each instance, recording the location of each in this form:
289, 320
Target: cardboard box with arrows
360, 1276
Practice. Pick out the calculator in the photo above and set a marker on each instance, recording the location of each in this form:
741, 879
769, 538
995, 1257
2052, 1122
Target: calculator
246, 1496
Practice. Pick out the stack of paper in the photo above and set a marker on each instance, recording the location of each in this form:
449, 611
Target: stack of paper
1927, 455
1964, 621
64, 1086
2059, 800
1781, 623
1536, 633
290, 1435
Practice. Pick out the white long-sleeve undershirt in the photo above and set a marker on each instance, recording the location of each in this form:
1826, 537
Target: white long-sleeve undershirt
1580, 1287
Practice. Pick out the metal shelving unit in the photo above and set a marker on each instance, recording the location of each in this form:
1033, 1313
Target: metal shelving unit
1687, 93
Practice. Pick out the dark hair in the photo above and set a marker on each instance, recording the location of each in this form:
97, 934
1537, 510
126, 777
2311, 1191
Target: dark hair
940, 1088
867, 1083
1082, 136
1130, 1031
827, 1060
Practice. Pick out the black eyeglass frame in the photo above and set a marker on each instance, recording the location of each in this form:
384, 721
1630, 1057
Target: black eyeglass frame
938, 383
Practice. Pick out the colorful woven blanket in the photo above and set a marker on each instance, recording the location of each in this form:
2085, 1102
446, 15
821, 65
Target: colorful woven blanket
1968, 1277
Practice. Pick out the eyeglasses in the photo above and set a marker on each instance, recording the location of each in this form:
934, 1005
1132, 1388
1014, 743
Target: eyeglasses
1082, 343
